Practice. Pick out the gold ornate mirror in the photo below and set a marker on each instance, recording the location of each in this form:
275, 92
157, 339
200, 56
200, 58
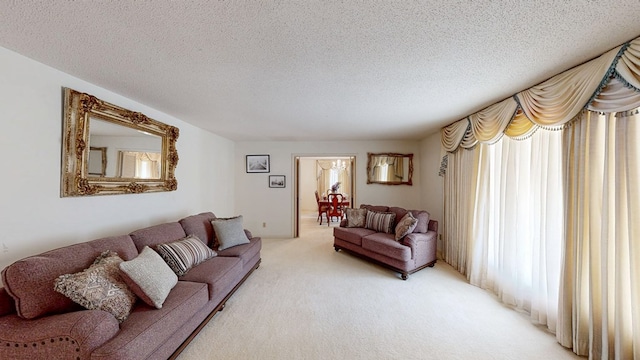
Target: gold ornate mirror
390, 168
107, 149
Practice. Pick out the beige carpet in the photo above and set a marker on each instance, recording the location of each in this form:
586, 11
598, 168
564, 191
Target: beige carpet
307, 301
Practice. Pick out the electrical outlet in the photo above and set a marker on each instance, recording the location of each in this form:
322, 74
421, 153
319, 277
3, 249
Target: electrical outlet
264, 224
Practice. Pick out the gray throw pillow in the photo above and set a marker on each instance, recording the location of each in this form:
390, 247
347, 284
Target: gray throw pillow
356, 217
229, 232
149, 277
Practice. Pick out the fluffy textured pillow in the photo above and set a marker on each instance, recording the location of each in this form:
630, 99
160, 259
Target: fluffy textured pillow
99, 287
356, 217
405, 226
380, 221
149, 277
184, 254
229, 232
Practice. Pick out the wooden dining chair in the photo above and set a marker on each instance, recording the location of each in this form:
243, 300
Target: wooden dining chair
322, 209
335, 207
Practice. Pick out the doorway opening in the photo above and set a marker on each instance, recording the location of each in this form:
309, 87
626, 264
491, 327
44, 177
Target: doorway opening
322, 174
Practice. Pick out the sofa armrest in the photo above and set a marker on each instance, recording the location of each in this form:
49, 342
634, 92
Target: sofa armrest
423, 246
56, 336
7, 305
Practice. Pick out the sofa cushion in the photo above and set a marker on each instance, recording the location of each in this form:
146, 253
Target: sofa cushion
99, 287
352, 235
245, 252
200, 226
400, 212
379, 221
30, 281
184, 254
153, 236
221, 274
356, 217
229, 232
149, 277
386, 244
405, 226
378, 208
148, 328
423, 220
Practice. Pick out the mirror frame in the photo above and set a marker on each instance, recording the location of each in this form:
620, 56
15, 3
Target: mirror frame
370, 168
78, 109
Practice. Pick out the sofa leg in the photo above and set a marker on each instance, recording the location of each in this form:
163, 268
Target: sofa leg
336, 248
222, 307
405, 276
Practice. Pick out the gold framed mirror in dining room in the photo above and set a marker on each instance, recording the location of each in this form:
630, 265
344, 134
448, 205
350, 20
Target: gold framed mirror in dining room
107, 149
390, 168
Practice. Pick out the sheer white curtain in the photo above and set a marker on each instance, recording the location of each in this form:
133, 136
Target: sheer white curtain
518, 223
599, 310
459, 188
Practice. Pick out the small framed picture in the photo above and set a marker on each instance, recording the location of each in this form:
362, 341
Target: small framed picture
277, 181
258, 163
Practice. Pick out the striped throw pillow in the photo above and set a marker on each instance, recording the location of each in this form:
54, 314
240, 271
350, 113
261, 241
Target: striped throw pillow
184, 254
381, 221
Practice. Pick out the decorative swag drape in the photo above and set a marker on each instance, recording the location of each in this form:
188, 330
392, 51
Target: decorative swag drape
608, 83
578, 186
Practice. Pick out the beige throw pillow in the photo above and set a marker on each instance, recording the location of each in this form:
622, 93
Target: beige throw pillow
149, 277
99, 287
356, 217
405, 226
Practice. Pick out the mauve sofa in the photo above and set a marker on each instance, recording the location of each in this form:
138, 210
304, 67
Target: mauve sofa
37, 322
413, 252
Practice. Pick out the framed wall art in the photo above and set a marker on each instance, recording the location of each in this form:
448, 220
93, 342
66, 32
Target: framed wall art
277, 181
258, 163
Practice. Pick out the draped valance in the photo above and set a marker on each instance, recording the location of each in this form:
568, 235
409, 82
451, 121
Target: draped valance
608, 83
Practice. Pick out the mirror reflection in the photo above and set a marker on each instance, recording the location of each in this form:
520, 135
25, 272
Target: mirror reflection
107, 149
128, 153
390, 168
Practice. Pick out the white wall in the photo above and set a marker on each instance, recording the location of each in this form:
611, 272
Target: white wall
33, 217
308, 185
431, 184
259, 204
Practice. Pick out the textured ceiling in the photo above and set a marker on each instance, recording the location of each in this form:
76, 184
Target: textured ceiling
316, 69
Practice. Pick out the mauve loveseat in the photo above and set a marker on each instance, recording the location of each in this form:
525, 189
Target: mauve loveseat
37, 322
411, 253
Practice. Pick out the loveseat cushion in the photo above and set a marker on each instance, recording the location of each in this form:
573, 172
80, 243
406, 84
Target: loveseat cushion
423, 220
352, 235
386, 244
200, 226
30, 281
147, 328
155, 235
378, 208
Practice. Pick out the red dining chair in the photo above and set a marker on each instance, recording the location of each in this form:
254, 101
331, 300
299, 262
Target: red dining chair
322, 209
335, 207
